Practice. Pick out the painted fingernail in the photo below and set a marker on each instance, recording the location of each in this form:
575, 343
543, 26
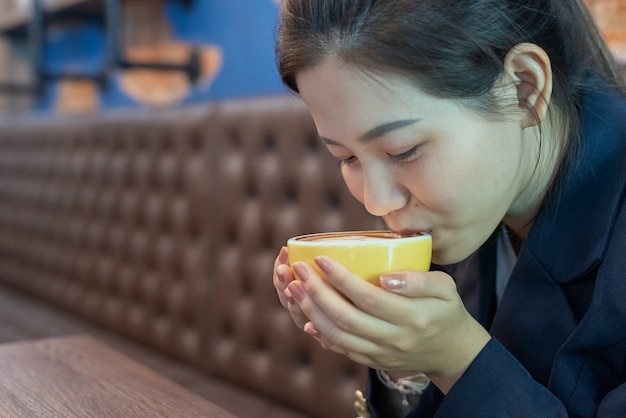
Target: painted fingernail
301, 271
310, 329
289, 297
297, 291
393, 281
283, 256
324, 264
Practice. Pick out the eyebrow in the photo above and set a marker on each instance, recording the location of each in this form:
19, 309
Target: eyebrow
378, 131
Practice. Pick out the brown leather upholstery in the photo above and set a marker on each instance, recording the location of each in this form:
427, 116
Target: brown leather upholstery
107, 216
275, 181
164, 226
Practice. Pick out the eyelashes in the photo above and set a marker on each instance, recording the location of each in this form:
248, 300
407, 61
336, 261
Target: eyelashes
347, 161
404, 157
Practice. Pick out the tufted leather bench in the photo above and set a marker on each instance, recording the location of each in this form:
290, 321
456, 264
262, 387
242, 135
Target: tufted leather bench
163, 225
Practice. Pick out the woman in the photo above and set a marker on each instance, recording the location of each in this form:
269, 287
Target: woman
499, 127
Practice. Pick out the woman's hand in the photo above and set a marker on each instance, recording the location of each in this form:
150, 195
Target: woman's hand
415, 321
283, 276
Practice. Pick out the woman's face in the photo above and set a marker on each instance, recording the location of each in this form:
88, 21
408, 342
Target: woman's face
424, 164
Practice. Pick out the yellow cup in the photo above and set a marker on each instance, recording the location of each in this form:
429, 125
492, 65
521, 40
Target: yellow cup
367, 254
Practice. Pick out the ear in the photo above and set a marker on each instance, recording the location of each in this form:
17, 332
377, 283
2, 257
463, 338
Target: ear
529, 67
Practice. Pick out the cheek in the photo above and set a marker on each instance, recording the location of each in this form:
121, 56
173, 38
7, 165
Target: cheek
438, 188
463, 192
354, 180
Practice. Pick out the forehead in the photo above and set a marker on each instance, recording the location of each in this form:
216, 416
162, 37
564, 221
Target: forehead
345, 101
334, 89
333, 73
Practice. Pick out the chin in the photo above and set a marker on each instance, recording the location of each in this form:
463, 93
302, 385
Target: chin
445, 258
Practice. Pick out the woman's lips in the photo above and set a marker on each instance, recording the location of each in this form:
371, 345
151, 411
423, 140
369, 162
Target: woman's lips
411, 232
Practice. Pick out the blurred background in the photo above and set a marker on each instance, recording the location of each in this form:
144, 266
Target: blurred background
610, 15
83, 53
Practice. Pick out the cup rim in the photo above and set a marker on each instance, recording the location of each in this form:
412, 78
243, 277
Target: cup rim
308, 239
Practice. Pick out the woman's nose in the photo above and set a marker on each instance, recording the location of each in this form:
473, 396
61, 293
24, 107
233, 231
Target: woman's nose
382, 193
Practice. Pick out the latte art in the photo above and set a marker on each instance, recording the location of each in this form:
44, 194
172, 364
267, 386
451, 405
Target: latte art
338, 238
350, 238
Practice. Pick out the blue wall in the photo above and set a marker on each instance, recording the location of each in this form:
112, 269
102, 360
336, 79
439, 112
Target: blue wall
243, 29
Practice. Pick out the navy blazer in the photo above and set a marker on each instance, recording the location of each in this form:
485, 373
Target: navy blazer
559, 332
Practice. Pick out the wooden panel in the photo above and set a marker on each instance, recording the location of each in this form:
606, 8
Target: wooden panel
610, 15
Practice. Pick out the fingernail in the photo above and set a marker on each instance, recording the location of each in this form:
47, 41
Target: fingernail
289, 297
301, 271
310, 329
393, 280
283, 256
324, 264
297, 291
280, 276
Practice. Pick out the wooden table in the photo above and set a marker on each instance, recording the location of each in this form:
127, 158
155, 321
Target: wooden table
78, 376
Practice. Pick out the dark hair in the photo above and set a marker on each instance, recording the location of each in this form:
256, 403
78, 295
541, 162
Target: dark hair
449, 48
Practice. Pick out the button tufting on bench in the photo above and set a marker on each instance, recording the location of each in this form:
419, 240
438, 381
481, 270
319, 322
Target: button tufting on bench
164, 226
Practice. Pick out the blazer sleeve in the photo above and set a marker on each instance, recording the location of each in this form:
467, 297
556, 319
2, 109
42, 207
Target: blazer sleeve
497, 385
614, 403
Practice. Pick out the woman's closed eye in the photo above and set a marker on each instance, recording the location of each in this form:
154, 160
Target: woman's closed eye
347, 161
404, 157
